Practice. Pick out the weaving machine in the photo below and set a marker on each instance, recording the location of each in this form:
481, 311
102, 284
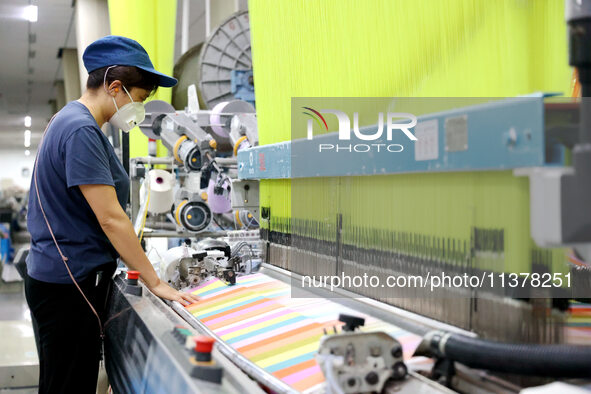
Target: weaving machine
491, 187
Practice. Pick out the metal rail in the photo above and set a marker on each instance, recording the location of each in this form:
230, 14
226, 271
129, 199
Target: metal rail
410, 321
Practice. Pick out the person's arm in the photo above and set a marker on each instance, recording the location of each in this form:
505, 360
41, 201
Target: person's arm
118, 228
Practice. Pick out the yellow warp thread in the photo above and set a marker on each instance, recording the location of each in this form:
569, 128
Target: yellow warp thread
151, 23
405, 48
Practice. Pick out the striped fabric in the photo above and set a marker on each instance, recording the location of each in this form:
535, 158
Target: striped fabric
278, 333
579, 324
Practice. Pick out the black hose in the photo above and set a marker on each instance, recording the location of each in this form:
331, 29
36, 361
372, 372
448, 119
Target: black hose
558, 361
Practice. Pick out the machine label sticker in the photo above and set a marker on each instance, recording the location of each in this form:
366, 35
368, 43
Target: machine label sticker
262, 166
456, 133
427, 144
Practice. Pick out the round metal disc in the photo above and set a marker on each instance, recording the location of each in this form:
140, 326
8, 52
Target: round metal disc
226, 49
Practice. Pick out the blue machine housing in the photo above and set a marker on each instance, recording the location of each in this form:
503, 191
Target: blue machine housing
500, 135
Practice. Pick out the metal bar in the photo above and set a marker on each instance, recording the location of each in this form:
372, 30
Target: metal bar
339, 257
153, 160
225, 161
585, 128
500, 135
183, 234
125, 150
185, 27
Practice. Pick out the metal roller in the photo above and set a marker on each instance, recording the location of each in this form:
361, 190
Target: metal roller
194, 216
182, 135
220, 120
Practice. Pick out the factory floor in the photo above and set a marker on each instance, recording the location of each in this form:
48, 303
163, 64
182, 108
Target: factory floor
19, 365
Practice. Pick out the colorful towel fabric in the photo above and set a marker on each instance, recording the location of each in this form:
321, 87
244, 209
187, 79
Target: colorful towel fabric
579, 324
278, 333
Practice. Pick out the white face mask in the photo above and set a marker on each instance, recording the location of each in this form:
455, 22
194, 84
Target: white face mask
128, 116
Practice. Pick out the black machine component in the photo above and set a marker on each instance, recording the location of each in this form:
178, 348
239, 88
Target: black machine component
558, 361
215, 244
578, 17
576, 187
351, 322
230, 276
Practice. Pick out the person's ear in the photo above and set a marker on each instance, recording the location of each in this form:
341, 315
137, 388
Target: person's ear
114, 88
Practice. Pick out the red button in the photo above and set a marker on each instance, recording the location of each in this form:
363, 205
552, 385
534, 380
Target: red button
133, 274
204, 344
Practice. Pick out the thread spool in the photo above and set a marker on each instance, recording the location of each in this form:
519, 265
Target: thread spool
218, 203
161, 191
219, 119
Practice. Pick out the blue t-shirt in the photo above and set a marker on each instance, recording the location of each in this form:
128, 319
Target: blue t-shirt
74, 152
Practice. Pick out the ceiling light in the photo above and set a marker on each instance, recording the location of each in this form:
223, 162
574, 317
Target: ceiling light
27, 133
28, 121
30, 13
27, 138
27, 152
27, 143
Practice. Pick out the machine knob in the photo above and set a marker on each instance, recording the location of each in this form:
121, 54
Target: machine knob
351, 322
396, 351
399, 371
132, 277
372, 378
132, 286
203, 347
351, 382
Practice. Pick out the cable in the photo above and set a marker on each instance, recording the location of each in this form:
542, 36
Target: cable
146, 180
239, 247
333, 385
216, 222
575, 260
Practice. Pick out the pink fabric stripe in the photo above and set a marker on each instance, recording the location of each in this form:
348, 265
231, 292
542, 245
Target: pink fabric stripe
240, 312
303, 374
281, 312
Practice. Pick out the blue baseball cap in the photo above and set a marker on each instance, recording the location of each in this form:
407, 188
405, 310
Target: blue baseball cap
121, 51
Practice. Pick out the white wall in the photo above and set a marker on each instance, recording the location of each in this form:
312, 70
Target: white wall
11, 164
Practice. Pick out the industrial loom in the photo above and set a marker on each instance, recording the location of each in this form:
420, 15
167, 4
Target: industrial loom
495, 185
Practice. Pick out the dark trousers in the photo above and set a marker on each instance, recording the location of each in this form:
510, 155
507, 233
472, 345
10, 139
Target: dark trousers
69, 341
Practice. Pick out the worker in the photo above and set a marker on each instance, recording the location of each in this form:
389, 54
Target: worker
76, 215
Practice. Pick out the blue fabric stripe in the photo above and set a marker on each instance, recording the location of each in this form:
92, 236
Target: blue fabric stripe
266, 329
290, 362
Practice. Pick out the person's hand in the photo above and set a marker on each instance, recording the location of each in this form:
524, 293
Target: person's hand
163, 290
